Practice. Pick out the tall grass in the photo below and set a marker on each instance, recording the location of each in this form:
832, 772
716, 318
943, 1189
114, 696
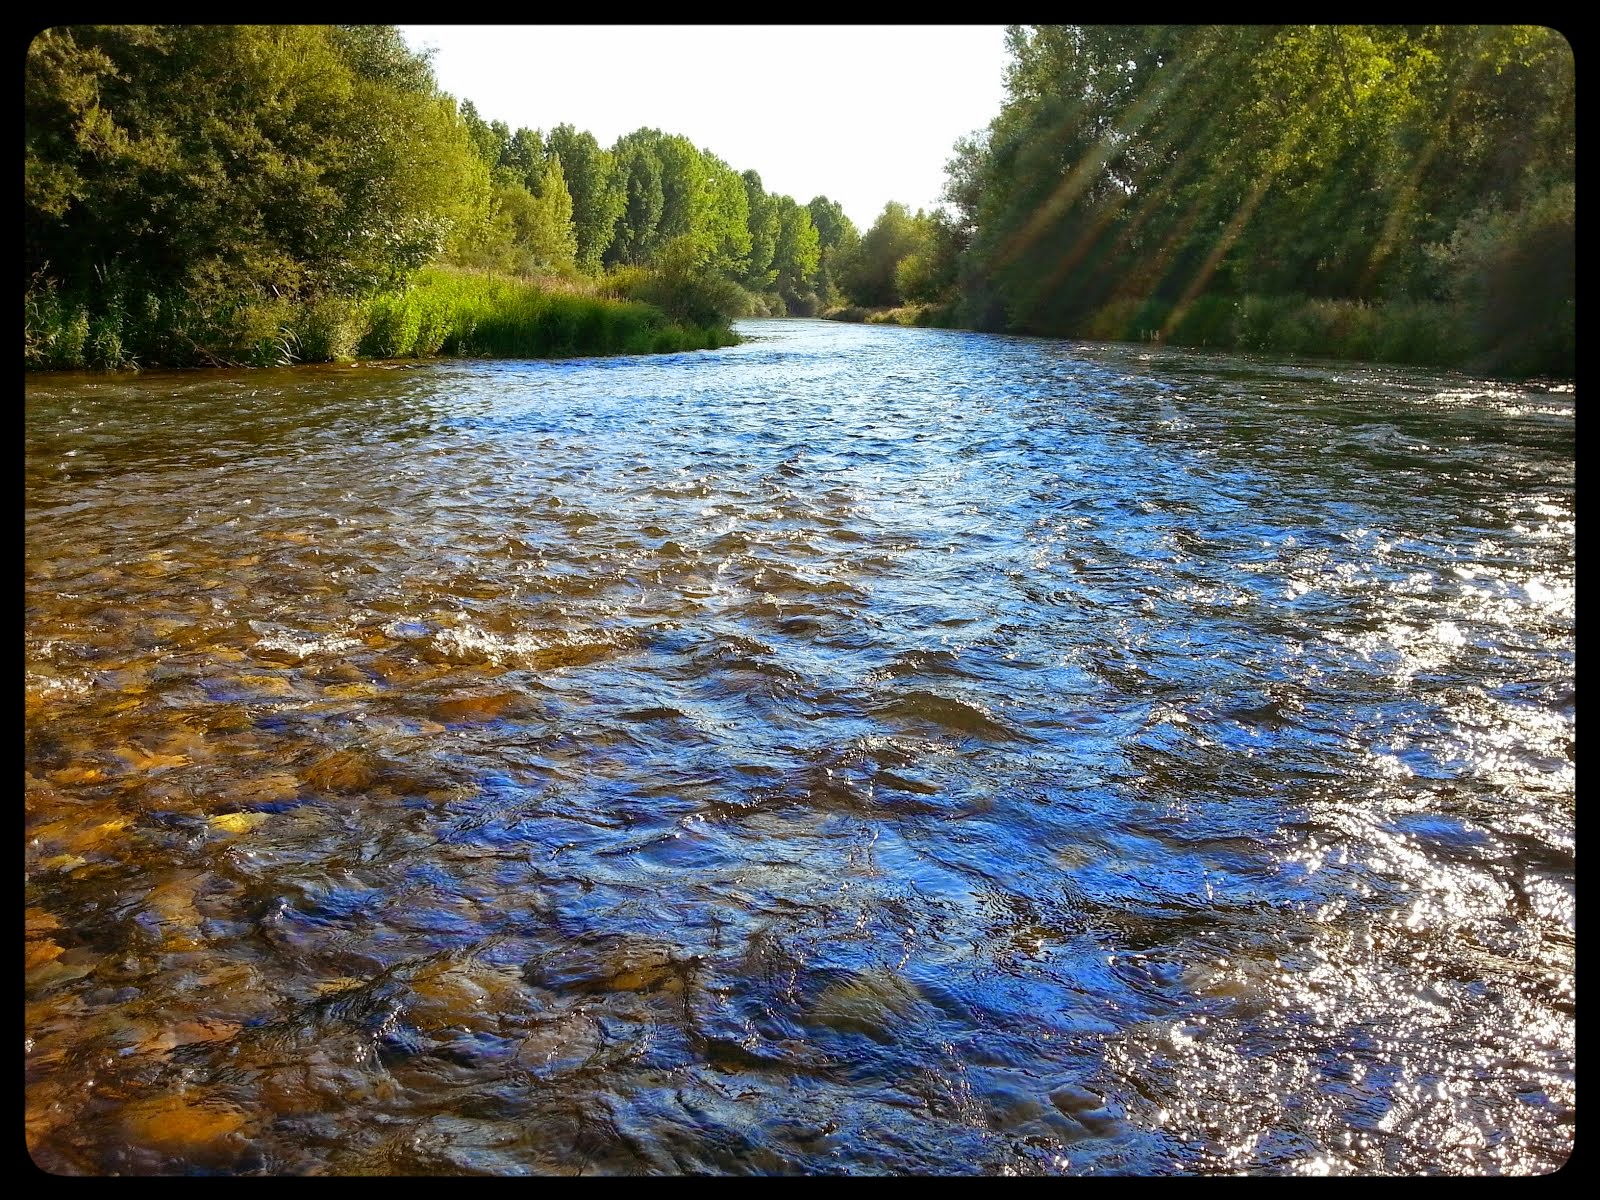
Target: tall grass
442, 311
1419, 333
489, 316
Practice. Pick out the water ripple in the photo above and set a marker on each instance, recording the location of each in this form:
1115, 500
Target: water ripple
860, 750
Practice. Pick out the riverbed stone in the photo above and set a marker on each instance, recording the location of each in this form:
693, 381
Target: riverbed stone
872, 1002
183, 1123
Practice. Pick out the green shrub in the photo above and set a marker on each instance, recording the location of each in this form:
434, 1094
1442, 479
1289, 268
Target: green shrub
54, 331
433, 327
693, 296
1343, 328
1423, 333
1511, 266
328, 330
393, 322
1114, 322
104, 348
263, 333
1252, 323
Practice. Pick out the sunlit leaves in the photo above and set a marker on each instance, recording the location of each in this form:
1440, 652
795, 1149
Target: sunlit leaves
240, 158
1151, 166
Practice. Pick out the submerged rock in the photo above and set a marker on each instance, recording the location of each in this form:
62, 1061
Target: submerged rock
872, 1003
463, 709
607, 963
239, 822
183, 1124
343, 771
470, 997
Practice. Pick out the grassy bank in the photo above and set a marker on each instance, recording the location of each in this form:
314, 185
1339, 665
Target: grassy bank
441, 312
936, 316
1415, 333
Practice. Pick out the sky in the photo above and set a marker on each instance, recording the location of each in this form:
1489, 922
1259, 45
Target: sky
861, 114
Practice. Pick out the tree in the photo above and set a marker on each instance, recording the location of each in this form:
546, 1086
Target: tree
837, 240
894, 236
726, 230
597, 190
488, 139
224, 158
550, 239
796, 255
762, 222
683, 189
523, 156
1158, 165
644, 198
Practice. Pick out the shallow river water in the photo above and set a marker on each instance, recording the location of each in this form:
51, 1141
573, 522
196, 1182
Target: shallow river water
861, 750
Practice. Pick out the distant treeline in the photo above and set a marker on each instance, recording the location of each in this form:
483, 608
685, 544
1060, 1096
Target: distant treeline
1394, 192
262, 194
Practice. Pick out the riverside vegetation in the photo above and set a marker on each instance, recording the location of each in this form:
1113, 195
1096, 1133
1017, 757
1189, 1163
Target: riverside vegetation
239, 195
1400, 193
266, 195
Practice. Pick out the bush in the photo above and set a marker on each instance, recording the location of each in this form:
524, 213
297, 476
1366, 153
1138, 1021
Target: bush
1512, 271
1422, 333
1114, 322
393, 323
1344, 328
800, 304
433, 327
104, 346
328, 330
684, 290
1253, 318
54, 330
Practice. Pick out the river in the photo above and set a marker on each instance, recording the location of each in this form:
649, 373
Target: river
860, 750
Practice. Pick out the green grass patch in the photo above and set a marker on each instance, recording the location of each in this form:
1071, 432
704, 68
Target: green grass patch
1418, 333
442, 311
492, 316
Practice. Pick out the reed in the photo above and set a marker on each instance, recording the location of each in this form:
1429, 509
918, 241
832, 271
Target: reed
442, 311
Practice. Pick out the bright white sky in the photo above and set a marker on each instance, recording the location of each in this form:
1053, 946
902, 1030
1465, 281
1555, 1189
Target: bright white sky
861, 114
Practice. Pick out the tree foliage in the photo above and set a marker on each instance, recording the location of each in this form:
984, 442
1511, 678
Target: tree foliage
597, 193
796, 255
874, 275
1167, 166
295, 158
762, 222
837, 239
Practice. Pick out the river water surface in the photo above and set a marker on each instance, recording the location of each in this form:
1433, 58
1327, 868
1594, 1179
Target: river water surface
860, 750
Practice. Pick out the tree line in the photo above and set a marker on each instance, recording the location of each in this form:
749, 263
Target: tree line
1397, 192
1402, 192
562, 202
209, 193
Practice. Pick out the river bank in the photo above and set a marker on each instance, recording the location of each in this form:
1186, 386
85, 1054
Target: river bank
444, 312
1409, 333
